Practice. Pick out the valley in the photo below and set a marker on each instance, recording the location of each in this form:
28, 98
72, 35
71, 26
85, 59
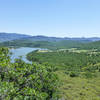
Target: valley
49, 49
73, 68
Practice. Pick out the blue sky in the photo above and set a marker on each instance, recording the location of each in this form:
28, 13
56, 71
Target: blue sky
60, 18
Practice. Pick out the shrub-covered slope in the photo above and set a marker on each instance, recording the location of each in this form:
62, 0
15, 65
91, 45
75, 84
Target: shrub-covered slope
22, 81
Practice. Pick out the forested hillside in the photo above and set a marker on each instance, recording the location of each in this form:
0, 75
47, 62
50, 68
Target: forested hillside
78, 71
43, 44
91, 45
66, 60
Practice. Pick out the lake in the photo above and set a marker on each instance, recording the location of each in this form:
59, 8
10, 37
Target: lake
23, 51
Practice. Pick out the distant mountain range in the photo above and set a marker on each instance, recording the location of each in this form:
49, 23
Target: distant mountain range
15, 36
21, 40
45, 38
11, 36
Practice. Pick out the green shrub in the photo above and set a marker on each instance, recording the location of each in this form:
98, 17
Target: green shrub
74, 74
22, 81
89, 74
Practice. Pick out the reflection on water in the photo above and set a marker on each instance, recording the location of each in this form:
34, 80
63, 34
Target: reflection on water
23, 51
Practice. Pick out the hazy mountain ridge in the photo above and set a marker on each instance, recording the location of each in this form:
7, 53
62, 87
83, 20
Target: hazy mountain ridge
46, 38
14, 36
20, 40
11, 36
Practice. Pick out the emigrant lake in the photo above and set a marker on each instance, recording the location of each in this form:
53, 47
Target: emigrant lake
22, 51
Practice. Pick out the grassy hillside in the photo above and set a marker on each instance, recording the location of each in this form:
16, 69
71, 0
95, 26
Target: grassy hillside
79, 88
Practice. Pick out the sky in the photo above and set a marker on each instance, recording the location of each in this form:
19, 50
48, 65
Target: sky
59, 18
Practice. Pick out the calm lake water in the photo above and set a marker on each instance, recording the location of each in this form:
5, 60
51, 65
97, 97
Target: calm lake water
23, 51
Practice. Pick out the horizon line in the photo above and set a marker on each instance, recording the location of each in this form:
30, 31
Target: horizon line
51, 36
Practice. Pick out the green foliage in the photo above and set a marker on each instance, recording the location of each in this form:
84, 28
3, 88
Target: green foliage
91, 45
21, 81
54, 45
74, 74
72, 62
88, 74
79, 88
79, 72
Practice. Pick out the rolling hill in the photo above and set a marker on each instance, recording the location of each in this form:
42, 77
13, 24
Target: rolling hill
21, 40
11, 36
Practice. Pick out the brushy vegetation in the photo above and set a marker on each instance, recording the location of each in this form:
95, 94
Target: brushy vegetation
79, 72
22, 81
65, 59
79, 88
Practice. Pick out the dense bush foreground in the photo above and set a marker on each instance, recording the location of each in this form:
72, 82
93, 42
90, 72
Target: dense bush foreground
21, 81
